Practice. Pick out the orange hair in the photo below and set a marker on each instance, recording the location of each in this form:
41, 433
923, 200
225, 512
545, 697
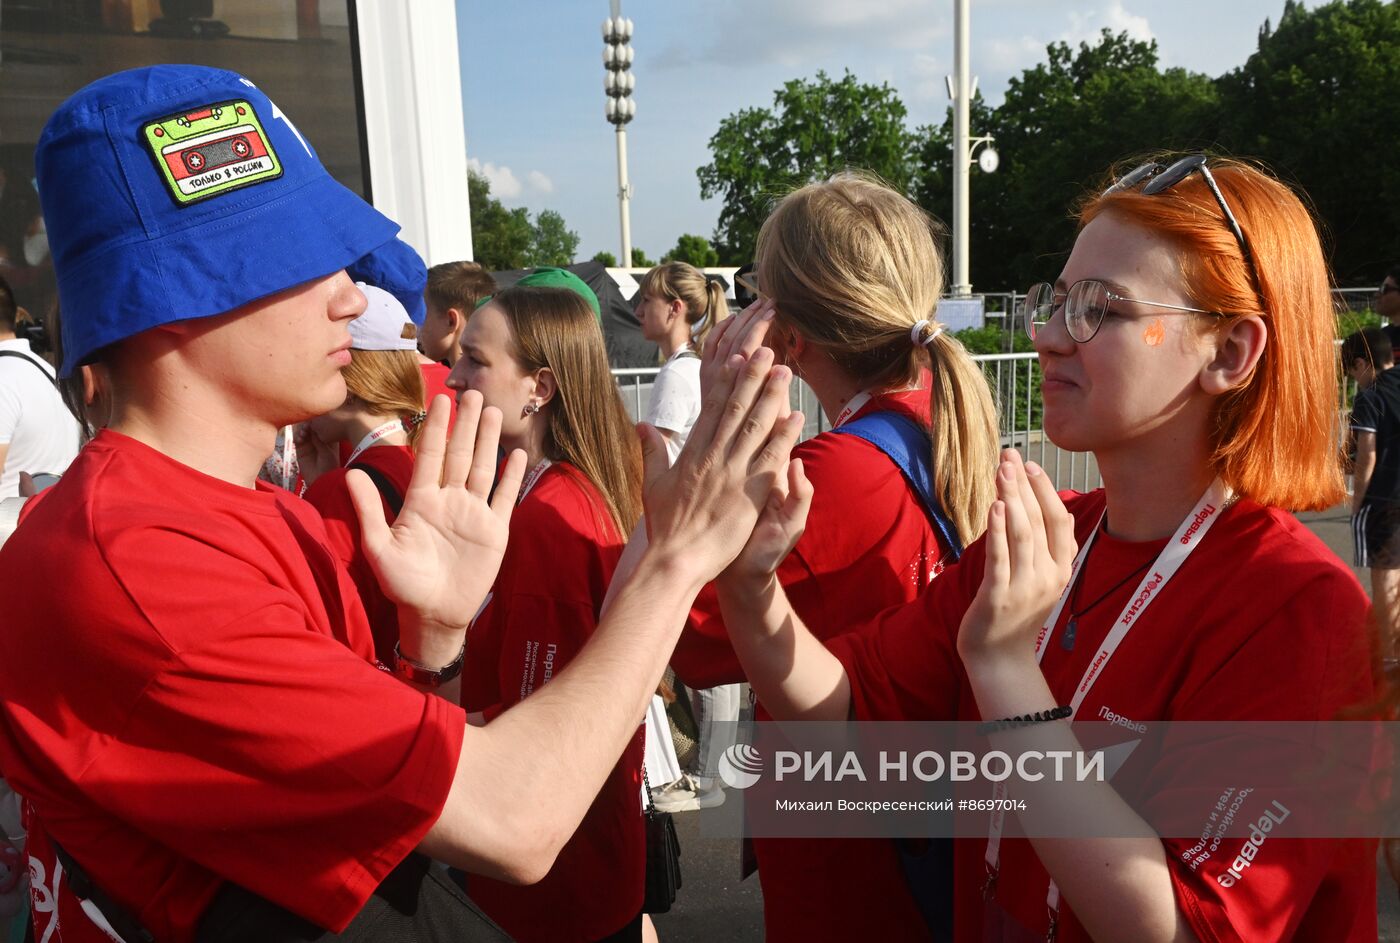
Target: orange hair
1277, 437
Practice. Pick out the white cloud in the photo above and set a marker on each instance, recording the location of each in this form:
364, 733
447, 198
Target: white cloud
1002, 55
1085, 27
1121, 21
505, 185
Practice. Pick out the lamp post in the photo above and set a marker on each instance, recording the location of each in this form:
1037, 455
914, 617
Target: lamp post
961, 89
621, 109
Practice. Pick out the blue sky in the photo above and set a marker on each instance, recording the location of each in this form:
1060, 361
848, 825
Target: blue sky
532, 82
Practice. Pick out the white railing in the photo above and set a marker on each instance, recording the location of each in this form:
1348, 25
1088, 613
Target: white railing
1013, 378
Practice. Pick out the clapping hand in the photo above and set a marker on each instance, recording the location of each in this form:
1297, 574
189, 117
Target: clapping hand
780, 525
702, 510
742, 334
1030, 547
444, 549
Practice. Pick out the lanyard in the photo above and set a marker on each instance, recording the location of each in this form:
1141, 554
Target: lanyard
856, 404
289, 457
389, 428
533, 478
1187, 538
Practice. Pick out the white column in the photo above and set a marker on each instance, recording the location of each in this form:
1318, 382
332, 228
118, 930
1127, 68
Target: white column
624, 193
417, 144
962, 159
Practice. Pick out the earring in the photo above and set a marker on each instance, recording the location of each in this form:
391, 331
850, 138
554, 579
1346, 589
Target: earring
531, 408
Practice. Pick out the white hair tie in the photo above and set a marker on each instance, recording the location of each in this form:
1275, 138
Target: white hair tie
918, 329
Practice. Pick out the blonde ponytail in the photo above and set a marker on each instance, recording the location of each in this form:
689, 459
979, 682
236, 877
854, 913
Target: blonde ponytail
716, 310
854, 268
966, 440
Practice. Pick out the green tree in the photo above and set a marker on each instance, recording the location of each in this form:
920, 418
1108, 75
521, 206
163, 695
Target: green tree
606, 257
1314, 101
1061, 126
814, 129
640, 260
506, 239
501, 238
693, 249
553, 242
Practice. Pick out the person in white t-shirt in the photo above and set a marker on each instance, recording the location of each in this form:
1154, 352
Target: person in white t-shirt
678, 308
38, 434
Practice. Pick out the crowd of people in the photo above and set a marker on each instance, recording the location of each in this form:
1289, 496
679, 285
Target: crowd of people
362, 568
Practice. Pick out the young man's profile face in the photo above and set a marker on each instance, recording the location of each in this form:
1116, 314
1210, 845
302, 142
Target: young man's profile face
437, 340
1362, 372
280, 356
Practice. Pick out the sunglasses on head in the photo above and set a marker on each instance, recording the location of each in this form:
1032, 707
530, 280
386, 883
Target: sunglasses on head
749, 280
1160, 179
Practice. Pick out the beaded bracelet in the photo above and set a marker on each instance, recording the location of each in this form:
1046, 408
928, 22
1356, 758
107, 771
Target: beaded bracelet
1025, 720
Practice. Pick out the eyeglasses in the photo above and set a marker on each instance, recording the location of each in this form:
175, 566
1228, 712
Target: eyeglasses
1086, 303
1160, 180
1388, 288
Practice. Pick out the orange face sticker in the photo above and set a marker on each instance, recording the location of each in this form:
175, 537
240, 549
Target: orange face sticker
1154, 333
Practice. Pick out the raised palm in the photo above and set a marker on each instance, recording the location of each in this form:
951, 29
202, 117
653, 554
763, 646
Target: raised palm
444, 549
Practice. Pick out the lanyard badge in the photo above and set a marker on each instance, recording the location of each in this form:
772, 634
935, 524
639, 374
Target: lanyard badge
1183, 542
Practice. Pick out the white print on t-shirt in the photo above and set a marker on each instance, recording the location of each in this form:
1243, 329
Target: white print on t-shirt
44, 898
1258, 834
1118, 720
527, 675
1213, 832
1222, 816
45, 901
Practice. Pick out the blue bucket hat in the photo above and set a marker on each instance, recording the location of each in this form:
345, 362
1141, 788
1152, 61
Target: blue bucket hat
397, 268
176, 192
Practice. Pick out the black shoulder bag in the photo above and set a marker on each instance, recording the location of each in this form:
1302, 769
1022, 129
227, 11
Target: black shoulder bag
663, 856
416, 903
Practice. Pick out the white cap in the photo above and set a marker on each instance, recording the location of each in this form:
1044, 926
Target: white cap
385, 325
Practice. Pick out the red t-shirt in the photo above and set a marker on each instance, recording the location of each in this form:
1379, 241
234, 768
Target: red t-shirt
1262, 622
868, 545
435, 382
544, 606
190, 697
329, 495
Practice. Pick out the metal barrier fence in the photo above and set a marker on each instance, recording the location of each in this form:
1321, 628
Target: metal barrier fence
1015, 384
1354, 299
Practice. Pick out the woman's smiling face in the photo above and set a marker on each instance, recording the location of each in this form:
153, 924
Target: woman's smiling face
1143, 366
